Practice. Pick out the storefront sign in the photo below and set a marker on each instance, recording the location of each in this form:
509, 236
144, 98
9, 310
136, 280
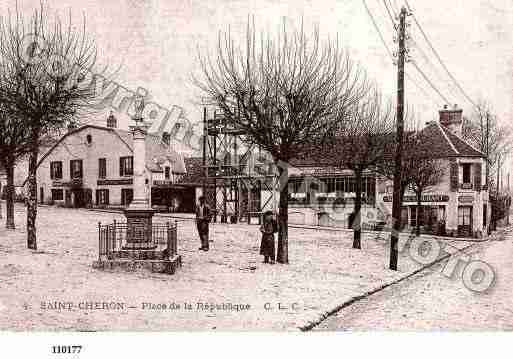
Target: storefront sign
164, 183
73, 183
466, 199
105, 182
424, 198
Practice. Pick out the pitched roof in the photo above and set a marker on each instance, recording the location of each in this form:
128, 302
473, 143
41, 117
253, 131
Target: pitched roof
463, 148
441, 141
156, 151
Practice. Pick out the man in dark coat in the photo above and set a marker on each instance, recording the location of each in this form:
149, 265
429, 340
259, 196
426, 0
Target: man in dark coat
203, 214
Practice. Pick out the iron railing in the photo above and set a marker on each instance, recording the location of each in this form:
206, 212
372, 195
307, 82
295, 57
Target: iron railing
112, 238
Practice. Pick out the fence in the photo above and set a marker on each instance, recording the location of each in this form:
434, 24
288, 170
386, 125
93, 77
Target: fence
112, 238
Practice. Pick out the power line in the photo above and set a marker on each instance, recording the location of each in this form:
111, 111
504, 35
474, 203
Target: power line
377, 29
439, 58
389, 13
426, 94
392, 57
431, 65
429, 81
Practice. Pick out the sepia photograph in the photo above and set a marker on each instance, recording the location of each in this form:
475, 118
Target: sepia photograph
273, 166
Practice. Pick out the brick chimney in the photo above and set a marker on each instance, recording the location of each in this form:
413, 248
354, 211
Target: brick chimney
452, 118
112, 122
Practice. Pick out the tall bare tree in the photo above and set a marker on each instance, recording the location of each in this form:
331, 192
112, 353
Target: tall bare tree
42, 65
489, 136
360, 143
284, 93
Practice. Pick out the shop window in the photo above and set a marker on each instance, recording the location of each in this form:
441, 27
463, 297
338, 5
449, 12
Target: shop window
167, 172
57, 194
56, 170
126, 166
339, 185
464, 216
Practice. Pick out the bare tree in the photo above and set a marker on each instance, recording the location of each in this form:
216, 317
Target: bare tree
283, 93
360, 144
13, 146
484, 131
42, 66
421, 167
423, 172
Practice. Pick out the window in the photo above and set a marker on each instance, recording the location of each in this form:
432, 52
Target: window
466, 172
126, 166
57, 194
127, 194
351, 181
102, 196
464, 216
339, 185
167, 172
370, 187
89, 139
56, 170
75, 168
329, 184
102, 168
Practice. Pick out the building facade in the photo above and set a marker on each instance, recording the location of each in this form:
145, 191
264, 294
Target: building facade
322, 195
92, 166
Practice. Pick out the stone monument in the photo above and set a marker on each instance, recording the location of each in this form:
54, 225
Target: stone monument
139, 213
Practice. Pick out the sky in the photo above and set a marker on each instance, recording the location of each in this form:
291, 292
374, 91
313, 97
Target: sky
155, 43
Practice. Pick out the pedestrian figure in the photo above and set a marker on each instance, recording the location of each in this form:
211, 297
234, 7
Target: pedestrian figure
268, 228
202, 220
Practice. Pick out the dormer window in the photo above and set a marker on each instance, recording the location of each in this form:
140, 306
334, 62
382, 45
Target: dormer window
89, 139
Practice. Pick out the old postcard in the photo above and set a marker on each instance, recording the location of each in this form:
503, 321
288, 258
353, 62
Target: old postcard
280, 166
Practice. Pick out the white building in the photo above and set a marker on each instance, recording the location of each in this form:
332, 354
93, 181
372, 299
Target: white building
92, 166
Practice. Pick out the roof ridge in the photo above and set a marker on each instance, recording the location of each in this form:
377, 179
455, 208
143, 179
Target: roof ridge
447, 138
466, 142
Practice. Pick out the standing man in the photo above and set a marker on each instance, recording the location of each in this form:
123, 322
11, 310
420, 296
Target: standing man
202, 220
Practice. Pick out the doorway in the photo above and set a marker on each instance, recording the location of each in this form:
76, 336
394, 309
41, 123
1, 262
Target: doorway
465, 221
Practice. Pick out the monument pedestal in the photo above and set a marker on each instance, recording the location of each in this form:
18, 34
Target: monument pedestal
139, 228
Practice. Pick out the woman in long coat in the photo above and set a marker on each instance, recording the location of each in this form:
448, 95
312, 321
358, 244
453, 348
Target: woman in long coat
268, 228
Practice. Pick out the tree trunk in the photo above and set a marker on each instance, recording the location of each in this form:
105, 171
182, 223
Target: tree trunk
419, 203
32, 198
283, 217
9, 192
357, 218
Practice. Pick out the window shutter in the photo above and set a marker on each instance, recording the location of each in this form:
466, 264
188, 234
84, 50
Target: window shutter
477, 177
97, 197
71, 169
454, 176
107, 196
121, 167
51, 171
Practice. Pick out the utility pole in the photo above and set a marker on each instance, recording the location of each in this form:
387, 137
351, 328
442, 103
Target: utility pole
396, 203
204, 159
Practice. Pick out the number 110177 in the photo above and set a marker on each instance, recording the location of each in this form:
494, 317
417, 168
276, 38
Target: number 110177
66, 349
